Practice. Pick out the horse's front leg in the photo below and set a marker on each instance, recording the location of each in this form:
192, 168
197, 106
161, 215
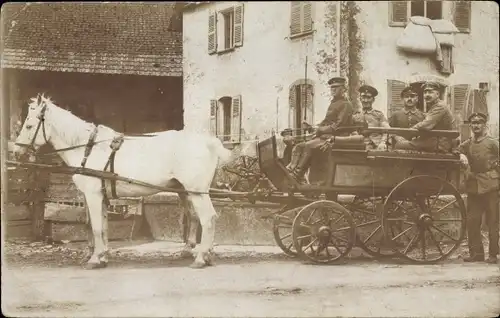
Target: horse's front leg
188, 222
99, 223
90, 236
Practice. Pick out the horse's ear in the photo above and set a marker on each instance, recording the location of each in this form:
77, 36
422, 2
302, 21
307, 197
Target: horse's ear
38, 99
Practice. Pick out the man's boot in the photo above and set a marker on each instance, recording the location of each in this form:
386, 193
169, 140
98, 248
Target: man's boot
302, 167
474, 258
296, 152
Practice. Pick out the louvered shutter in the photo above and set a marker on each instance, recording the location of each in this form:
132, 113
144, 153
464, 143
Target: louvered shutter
307, 102
236, 119
220, 121
480, 102
398, 13
460, 103
212, 32
238, 25
462, 15
447, 51
292, 100
394, 100
213, 117
307, 22
295, 23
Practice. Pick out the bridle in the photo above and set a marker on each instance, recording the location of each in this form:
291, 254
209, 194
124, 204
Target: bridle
41, 124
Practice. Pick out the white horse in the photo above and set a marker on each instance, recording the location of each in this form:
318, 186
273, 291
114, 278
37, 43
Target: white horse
172, 158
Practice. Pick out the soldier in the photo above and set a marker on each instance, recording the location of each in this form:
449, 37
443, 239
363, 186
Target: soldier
410, 115
438, 117
289, 142
480, 154
339, 114
371, 117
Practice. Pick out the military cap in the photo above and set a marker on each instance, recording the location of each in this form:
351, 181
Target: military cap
336, 81
481, 116
432, 85
408, 89
286, 131
368, 89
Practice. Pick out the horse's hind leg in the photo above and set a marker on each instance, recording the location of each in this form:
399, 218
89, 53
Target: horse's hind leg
189, 223
203, 207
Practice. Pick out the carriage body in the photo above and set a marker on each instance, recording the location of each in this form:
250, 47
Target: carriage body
390, 190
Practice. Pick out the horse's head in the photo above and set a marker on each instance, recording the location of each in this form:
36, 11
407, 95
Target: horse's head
34, 132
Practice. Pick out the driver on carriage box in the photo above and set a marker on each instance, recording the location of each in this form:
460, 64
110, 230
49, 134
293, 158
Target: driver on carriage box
438, 117
339, 114
371, 117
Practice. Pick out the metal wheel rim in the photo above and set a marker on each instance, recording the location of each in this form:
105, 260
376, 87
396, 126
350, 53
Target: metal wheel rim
348, 240
422, 233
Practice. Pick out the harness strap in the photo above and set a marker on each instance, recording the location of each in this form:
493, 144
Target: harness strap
115, 146
89, 146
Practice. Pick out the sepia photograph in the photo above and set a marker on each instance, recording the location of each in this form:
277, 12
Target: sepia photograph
250, 159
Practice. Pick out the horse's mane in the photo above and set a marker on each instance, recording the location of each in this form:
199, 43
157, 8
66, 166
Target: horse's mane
69, 126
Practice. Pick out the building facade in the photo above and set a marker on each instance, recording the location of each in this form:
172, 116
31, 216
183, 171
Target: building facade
251, 68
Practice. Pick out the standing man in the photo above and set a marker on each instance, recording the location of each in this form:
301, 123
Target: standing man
480, 153
438, 117
371, 117
339, 114
410, 115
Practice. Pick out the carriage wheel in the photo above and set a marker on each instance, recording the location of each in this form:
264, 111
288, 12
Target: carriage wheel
424, 219
323, 232
282, 230
367, 215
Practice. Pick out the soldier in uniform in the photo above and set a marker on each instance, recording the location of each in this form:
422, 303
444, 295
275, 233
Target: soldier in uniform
480, 154
339, 114
371, 117
410, 115
438, 117
289, 142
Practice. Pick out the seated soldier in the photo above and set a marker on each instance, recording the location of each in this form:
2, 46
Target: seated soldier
371, 117
410, 115
438, 117
339, 114
289, 142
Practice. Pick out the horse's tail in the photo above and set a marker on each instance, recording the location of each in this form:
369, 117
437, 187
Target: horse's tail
224, 155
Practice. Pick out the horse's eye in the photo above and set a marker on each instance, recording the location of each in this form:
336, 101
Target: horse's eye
29, 126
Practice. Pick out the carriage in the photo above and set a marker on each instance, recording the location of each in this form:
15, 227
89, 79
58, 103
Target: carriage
389, 203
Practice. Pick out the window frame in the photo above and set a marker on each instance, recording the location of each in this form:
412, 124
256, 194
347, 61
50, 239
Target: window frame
219, 117
393, 23
219, 31
302, 7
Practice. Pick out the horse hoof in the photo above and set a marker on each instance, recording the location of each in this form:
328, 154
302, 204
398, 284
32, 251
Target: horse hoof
186, 254
89, 266
197, 265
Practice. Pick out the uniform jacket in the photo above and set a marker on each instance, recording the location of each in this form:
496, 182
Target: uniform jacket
439, 117
339, 114
484, 167
406, 118
374, 118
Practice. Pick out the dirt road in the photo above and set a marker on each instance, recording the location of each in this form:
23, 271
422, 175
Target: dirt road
251, 285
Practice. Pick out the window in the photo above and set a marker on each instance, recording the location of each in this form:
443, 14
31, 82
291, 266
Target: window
462, 15
400, 11
301, 102
225, 118
301, 20
225, 29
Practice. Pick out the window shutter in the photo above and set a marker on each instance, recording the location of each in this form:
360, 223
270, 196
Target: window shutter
238, 25
398, 13
447, 51
462, 15
460, 98
480, 102
295, 18
236, 119
307, 22
213, 117
212, 32
394, 100
307, 109
292, 104
220, 121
